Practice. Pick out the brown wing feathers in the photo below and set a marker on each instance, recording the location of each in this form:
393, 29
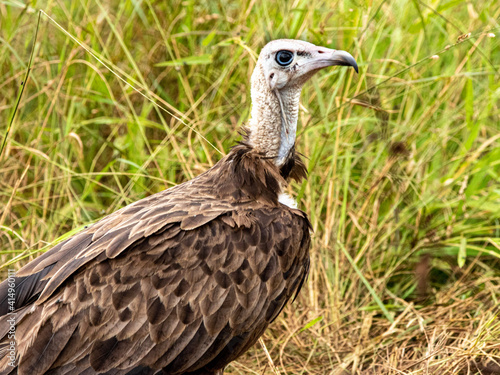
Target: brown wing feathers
185, 280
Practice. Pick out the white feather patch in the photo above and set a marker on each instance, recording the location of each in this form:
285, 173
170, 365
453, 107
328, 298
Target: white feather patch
287, 200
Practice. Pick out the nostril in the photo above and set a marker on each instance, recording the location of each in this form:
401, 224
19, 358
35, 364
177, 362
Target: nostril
320, 51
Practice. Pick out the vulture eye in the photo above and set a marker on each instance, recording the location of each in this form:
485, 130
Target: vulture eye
284, 57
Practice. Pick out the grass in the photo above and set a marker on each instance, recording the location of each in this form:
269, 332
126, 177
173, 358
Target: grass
128, 98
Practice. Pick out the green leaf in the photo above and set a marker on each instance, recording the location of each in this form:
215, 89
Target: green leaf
208, 39
462, 252
190, 60
311, 323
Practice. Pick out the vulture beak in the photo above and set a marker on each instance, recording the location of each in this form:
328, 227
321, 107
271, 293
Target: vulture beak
323, 57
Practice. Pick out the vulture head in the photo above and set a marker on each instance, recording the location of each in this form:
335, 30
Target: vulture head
283, 67
290, 63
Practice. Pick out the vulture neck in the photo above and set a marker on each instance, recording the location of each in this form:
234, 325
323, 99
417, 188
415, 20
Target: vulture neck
273, 123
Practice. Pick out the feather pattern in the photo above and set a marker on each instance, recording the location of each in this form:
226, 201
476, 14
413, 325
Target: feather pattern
184, 280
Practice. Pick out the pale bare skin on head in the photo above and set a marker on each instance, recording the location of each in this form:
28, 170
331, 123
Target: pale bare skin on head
282, 69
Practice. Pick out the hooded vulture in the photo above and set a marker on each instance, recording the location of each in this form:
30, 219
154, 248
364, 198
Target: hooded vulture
188, 279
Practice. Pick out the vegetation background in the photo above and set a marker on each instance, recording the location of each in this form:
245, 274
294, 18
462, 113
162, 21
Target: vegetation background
127, 98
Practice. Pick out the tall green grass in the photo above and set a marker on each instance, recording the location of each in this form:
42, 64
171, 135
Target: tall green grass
128, 98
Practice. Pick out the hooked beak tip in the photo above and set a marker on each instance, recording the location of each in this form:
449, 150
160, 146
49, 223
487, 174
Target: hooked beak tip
344, 58
355, 66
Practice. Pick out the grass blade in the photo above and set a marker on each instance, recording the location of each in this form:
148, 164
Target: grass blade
376, 298
23, 85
